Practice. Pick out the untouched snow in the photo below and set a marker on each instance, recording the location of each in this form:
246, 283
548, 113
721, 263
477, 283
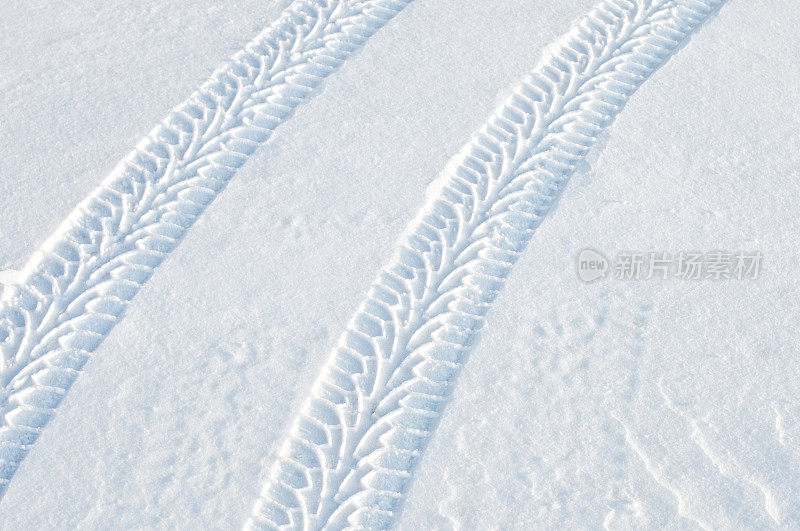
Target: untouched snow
620, 403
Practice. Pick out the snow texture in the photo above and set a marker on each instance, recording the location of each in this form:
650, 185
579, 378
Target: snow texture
167, 345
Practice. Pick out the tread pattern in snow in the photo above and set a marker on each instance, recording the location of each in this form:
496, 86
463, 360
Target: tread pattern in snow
76, 286
350, 454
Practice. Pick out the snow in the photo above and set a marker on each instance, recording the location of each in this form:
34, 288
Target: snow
617, 403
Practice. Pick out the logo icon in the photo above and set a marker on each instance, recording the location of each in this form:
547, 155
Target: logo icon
592, 265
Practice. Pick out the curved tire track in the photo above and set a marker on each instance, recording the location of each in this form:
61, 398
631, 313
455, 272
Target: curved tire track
76, 286
349, 456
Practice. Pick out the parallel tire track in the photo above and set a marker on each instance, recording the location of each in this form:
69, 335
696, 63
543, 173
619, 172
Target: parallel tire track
349, 457
77, 285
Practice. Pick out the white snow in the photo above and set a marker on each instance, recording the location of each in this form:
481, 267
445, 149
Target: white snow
618, 403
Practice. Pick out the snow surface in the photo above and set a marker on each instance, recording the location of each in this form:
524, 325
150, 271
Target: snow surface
625, 404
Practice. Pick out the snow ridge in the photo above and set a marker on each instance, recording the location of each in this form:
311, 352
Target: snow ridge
76, 287
350, 453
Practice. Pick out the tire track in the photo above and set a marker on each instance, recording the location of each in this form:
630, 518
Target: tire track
350, 453
76, 286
